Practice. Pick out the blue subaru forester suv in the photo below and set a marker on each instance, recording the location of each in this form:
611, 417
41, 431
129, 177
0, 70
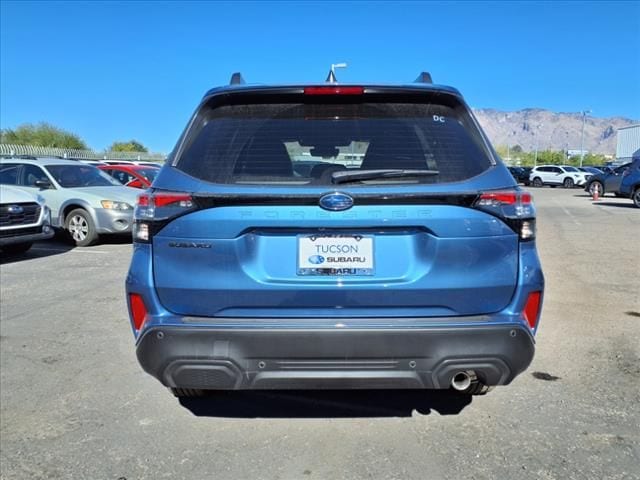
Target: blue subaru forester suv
334, 236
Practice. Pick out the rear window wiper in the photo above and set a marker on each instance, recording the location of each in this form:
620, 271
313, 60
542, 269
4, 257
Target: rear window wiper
358, 175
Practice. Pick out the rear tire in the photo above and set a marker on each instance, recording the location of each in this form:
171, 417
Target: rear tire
188, 392
568, 183
17, 248
636, 197
537, 182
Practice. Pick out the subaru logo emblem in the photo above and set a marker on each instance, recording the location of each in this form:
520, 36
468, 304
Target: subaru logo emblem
316, 259
15, 209
336, 201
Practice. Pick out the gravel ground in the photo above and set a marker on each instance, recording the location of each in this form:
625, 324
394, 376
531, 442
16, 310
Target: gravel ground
75, 404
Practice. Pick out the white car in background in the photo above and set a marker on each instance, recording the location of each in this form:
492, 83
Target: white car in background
24, 219
84, 201
554, 175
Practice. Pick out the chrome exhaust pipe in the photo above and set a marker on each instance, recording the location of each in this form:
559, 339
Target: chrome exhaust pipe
463, 380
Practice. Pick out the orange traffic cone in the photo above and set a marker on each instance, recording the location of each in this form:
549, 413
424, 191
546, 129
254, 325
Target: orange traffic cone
596, 192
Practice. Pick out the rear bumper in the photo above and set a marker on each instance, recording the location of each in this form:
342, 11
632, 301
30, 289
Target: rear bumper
307, 358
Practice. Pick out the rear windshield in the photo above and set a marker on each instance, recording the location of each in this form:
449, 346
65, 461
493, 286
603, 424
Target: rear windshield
148, 173
302, 144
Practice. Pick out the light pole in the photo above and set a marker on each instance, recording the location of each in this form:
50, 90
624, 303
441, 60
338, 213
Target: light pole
584, 118
535, 158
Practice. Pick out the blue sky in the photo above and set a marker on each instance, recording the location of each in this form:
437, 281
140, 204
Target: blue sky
115, 71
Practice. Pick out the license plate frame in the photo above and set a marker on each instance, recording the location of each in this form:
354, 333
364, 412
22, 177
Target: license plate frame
357, 251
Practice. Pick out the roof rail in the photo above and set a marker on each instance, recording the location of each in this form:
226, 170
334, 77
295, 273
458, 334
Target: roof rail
424, 77
236, 79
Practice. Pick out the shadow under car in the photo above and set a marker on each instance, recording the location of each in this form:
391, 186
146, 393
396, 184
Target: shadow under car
325, 403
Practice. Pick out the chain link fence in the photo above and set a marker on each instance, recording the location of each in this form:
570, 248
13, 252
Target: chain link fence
36, 151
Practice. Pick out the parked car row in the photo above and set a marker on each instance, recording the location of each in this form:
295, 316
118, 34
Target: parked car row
42, 194
622, 181
553, 175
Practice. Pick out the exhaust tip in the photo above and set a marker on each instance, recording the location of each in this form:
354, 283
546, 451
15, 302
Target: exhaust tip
463, 380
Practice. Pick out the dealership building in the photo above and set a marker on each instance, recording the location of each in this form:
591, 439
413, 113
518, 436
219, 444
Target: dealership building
628, 146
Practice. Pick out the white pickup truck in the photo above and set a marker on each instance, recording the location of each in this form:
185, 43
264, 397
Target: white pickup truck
24, 219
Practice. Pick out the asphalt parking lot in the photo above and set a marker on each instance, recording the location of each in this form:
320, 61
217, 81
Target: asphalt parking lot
75, 403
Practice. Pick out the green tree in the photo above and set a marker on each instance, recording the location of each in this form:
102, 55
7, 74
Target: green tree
130, 146
593, 159
43, 135
501, 150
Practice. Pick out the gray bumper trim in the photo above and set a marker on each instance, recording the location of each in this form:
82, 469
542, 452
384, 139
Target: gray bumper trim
286, 358
113, 221
34, 237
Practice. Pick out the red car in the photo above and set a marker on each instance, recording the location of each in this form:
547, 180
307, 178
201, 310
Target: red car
137, 176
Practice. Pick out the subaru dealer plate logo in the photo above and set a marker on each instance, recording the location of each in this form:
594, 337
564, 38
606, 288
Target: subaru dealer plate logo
316, 259
15, 209
336, 201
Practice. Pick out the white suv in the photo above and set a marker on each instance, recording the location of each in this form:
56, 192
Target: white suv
24, 219
553, 175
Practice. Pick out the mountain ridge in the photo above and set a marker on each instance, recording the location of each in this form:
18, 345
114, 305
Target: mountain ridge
549, 130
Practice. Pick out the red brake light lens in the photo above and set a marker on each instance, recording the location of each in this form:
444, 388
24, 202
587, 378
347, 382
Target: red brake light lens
333, 90
138, 310
143, 200
505, 198
166, 199
531, 310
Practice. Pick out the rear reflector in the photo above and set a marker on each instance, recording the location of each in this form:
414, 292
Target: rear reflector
334, 90
531, 310
138, 310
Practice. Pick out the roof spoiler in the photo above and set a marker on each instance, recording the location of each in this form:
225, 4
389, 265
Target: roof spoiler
236, 79
424, 77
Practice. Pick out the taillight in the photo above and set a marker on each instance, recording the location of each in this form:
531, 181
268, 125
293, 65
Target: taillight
531, 310
504, 198
334, 90
154, 210
138, 310
515, 207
